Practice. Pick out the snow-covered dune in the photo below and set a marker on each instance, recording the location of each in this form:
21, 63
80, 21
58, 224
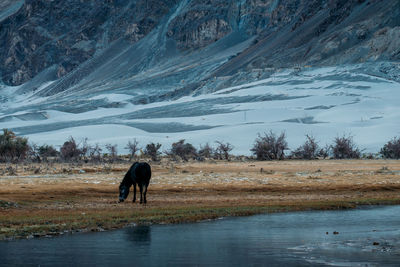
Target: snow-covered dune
323, 102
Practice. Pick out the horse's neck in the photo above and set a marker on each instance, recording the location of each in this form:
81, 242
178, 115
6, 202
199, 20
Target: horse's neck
127, 181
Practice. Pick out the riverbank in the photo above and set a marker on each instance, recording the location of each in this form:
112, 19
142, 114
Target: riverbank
46, 200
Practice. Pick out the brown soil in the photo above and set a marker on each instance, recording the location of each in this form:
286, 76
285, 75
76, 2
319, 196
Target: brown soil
48, 199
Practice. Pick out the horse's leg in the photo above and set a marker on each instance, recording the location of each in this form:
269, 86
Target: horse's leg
141, 193
134, 192
144, 193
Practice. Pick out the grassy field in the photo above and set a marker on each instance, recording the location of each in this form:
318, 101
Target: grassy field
52, 199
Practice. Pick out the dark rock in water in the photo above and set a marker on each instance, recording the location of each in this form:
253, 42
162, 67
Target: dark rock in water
375, 243
335, 233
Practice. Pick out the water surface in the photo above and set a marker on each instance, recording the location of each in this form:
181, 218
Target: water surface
283, 239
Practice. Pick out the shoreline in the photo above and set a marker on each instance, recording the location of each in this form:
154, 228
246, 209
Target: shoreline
57, 202
217, 213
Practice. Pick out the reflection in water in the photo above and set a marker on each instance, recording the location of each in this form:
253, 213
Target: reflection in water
369, 236
138, 234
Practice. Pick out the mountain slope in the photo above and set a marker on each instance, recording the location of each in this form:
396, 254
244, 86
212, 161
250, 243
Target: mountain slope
59, 37
163, 70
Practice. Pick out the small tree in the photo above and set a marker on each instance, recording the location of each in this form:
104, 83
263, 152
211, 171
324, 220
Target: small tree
12, 147
183, 150
70, 150
6, 144
21, 148
206, 151
222, 150
391, 150
152, 150
309, 150
46, 151
112, 150
133, 147
270, 146
344, 148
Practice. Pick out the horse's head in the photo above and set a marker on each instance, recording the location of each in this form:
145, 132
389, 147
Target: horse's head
123, 192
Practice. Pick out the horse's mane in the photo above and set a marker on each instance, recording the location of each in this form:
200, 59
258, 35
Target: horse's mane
127, 181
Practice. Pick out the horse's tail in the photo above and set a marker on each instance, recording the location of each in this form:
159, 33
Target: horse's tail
148, 172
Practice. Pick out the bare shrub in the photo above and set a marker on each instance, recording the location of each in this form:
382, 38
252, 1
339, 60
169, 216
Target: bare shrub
12, 147
95, 153
270, 146
308, 150
222, 150
325, 151
112, 151
152, 151
206, 151
183, 150
46, 151
344, 148
69, 150
84, 147
133, 147
391, 150
33, 152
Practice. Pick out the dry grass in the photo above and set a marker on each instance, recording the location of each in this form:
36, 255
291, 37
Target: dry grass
44, 199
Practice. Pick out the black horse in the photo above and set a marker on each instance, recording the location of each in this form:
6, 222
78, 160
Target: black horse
139, 173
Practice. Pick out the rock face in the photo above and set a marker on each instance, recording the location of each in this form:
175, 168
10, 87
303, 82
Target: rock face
300, 33
66, 33
62, 34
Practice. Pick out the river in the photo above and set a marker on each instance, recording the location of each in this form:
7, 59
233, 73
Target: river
368, 236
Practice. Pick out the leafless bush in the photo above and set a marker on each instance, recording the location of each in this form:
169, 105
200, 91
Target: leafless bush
206, 151
344, 148
308, 150
133, 147
33, 152
324, 152
270, 146
112, 151
11, 171
95, 153
222, 150
152, 150
182, 150
391, 150
84, 147
12, 147
69, 150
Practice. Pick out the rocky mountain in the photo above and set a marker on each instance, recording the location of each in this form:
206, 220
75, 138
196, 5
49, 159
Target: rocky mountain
201, 70
83, 43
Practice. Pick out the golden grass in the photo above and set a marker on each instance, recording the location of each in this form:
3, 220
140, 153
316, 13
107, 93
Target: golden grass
62, 197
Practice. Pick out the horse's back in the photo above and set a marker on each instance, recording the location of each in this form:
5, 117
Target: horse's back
141, 172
